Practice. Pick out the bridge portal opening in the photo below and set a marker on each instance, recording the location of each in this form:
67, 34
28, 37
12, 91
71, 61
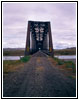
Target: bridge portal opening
39, 37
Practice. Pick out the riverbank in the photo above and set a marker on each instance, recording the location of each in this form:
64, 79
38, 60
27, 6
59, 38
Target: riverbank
14, 65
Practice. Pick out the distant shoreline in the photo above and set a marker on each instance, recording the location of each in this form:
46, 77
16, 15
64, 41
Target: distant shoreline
24, 48
20, 51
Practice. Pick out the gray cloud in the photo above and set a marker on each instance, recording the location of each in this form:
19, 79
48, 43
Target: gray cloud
61, 15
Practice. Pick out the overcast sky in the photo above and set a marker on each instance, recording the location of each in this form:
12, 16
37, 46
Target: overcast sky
61, 15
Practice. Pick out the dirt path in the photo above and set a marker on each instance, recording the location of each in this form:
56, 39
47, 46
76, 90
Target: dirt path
38, 78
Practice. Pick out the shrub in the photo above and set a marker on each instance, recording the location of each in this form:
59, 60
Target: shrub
25, 59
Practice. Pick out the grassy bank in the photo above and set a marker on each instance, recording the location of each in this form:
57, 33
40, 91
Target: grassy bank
11, 66
68, 68
69, 65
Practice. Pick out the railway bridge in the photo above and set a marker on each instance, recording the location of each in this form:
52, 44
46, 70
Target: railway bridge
39, 37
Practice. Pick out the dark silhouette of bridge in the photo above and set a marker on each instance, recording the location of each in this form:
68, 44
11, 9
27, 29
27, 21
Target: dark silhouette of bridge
39, 37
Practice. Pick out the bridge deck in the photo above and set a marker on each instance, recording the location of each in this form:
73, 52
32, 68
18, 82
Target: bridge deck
39, 78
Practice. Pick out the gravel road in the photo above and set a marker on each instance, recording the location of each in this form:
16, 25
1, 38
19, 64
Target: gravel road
38, 78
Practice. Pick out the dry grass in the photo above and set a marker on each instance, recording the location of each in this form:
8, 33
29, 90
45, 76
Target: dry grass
68, 68
11, 66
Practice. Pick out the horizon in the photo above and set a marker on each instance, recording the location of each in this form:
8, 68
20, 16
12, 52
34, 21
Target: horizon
53, 48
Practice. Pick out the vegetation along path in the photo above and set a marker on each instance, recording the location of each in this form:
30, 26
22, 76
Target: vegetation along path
38, 78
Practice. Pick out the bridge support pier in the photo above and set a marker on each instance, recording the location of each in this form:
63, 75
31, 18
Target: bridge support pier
50, 41
27, 49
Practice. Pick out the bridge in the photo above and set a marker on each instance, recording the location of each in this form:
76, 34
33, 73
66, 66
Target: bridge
39, 37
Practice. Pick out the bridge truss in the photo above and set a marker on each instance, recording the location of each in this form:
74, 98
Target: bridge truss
39, 37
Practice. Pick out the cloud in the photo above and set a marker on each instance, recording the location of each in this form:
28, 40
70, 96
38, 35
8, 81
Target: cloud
61, 15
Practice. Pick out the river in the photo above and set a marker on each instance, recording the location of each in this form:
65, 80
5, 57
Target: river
60, 57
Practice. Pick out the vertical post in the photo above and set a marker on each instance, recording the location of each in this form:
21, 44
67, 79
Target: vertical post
27, 49
45, 42
33, 44
50, 40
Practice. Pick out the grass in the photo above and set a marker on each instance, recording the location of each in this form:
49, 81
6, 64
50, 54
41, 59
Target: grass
59, 62
69, 65
11, 66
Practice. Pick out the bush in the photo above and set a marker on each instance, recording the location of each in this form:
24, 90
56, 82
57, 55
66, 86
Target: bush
25, 59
